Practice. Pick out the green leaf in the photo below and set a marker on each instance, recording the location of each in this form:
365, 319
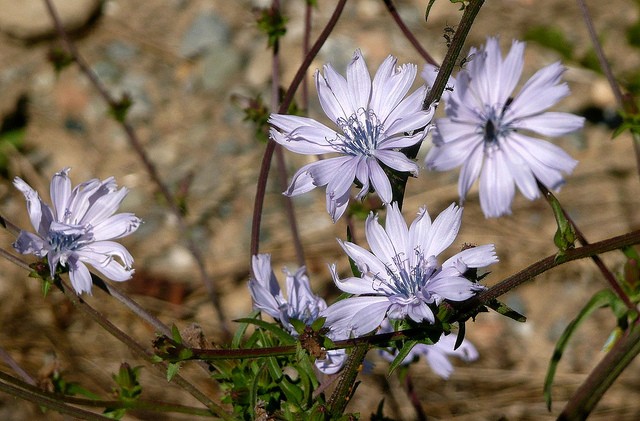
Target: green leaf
505, 310
318, 323
272, 23
600, 299
281, 334
172, 370
128, 382
565, 236
402, 354
175, 334
120, 109
237, 337
426, 13
298, 325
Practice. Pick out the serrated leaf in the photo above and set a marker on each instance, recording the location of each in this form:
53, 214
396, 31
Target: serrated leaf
600, 299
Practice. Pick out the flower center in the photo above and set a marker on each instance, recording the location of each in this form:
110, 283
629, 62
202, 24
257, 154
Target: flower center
361, 132
408, 281
494, 128
63, 237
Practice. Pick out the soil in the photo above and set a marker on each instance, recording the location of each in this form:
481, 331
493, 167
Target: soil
187, 113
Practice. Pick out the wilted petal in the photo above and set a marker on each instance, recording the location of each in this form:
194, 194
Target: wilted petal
39, 213
28, 243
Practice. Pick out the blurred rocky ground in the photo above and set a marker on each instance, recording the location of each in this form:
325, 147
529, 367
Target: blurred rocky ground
189, 66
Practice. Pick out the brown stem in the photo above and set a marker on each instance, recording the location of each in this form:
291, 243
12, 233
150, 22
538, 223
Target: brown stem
139, 349
28, 378
150, 168
613, 283
624, 102
408, 34
284, 105
470, 307
280, 162
603, 375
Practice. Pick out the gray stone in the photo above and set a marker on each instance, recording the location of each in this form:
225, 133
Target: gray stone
220, 65
207, 32
29, 20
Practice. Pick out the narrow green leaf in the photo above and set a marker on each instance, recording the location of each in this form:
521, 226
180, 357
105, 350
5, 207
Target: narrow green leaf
281, 334
426, 13
505, 310
402, 354
600, 299
175, 334
242, 329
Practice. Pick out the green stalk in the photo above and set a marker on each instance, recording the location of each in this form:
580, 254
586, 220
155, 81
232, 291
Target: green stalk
602, 377
346, 385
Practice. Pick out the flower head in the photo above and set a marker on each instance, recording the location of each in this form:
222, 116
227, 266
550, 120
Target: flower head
373, 118
436, 354
79, 228
488, 132
302, 304
401, 276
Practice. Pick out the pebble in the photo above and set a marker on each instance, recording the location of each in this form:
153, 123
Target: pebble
29, 20
219, 65
206, 33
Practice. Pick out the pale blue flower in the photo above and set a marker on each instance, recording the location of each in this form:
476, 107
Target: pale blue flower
78, 230
437, 355
374, 120
401, 276
488, 132
301, 304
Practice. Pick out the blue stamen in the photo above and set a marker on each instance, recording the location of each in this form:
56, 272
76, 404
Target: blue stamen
361, 133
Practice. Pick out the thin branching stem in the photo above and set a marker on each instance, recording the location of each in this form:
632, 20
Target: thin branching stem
625, 103
149, 166
603, 375
13, 364
460, 311
51, 403
399, 180
610, 278
602, 59
138, 349
408, 34
138, 404
470, 307
284, 105
306, 42
280, 161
